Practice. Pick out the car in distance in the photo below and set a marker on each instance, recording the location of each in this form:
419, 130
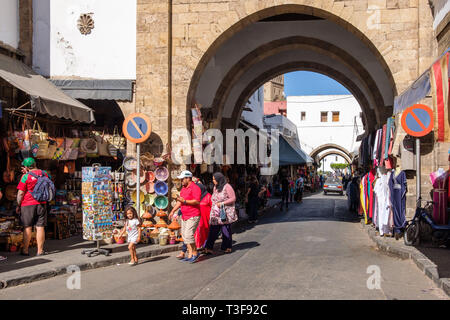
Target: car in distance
333, 185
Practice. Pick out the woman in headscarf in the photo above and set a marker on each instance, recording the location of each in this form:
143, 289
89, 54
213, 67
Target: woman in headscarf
205, 208
223, 195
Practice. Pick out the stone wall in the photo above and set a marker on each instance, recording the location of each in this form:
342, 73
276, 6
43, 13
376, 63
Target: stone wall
26, 29
401, 33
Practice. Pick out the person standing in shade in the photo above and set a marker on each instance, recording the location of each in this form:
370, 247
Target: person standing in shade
284, 193
223, 198
252, 200
32, 212
189, 203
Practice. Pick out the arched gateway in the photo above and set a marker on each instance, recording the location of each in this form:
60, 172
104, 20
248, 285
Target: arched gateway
344, 153
221, 52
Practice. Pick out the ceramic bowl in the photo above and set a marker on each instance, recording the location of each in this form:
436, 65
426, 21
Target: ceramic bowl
161, 173
161, 202
161, 188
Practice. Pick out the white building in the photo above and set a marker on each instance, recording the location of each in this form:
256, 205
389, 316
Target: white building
87, 48
326, 119
76, 39
9, 23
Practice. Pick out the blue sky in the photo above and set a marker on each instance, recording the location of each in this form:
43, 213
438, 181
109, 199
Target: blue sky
303, 83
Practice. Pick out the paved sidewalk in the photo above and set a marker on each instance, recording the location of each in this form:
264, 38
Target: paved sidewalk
434, 262
17, 269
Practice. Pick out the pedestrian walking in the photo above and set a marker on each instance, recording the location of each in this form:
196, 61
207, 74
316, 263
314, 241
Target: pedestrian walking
299, 184
133, 229
223, 214
189, 204
31, 208
201, 235
291, 190
252, 199
284, 193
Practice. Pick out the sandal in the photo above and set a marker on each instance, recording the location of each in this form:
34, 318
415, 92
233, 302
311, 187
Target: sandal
43, 253
180, 256
26, 254
228, 251
208, 252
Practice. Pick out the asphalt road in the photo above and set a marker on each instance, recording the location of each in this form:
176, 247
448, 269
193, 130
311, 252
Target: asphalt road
313, 251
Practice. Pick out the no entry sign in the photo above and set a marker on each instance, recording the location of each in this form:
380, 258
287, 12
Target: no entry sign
137, 127
417, 120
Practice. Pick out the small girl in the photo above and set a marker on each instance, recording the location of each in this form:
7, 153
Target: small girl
132, 226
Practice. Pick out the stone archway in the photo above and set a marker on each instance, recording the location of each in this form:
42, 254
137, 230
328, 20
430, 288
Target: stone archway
313, 154
201, 29
334, 152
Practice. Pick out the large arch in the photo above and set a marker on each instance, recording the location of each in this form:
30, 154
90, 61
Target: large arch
329, 146
335, 152
385, 41
374, 97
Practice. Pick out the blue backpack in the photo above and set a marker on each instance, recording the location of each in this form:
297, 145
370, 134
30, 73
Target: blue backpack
44, 190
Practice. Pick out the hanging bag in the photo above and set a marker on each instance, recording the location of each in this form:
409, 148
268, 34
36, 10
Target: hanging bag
223, 213
39, 142
102, 145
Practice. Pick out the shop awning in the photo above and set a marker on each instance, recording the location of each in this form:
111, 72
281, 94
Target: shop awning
45, 97
97, 89
290, 154
416, 92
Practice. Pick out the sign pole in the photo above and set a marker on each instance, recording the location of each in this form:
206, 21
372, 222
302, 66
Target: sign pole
138, 182
418, 171
418, 121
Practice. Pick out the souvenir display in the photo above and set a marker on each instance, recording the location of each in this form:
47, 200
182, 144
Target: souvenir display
97, 203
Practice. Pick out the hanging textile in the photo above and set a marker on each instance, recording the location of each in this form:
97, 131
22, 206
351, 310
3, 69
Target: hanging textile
439, 180
439, 89
375, 206
383, 203
398, 189
383, 146
388, 137
375, 149
363, 198
371, 179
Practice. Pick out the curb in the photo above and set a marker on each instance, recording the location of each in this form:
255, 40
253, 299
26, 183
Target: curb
42, 275
428, 267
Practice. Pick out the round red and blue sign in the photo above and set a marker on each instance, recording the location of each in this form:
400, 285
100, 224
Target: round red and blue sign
137, 127
418, 120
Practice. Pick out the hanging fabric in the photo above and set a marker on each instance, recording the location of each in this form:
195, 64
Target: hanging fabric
439, 89
439, 180
398, 189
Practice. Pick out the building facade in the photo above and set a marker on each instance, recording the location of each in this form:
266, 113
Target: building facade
326, 120
274, 89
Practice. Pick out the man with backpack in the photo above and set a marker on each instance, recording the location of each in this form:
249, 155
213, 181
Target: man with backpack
35, 191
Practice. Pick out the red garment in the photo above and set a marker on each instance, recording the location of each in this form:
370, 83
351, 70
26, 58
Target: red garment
201, 234
191, 192
27, 184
